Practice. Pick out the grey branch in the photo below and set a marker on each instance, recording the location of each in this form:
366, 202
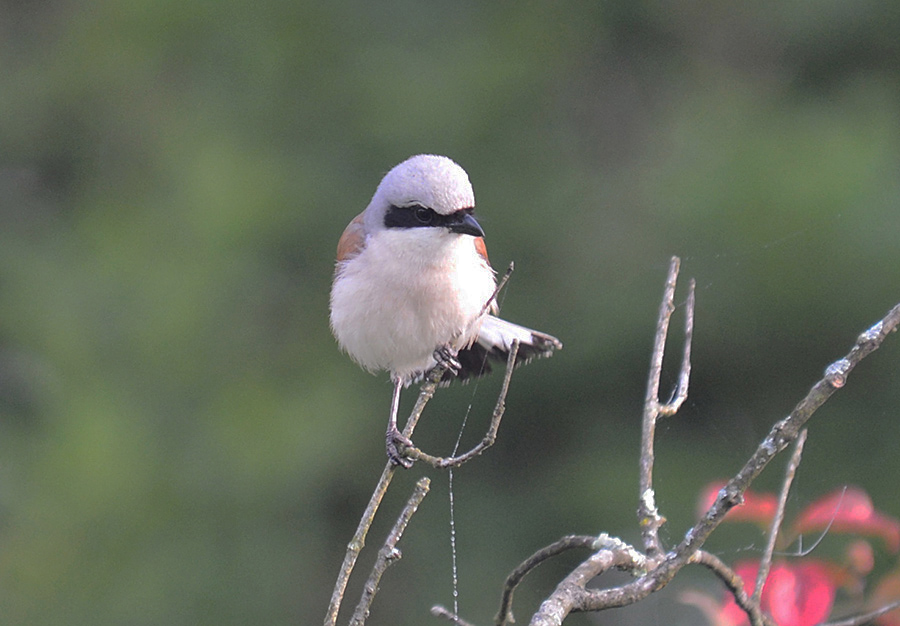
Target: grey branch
782, 434
765, 562
572, 595
504, 615
358, 542
865, 618
490, 436
388, 554
649, 518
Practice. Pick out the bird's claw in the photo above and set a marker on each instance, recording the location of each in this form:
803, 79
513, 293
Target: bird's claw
446, 357
396, 444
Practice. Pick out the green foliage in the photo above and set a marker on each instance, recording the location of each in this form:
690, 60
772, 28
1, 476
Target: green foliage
181, 441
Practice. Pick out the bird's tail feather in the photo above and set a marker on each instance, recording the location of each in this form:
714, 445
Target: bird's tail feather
494, 341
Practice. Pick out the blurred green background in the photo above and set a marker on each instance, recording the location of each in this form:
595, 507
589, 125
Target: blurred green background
181, 442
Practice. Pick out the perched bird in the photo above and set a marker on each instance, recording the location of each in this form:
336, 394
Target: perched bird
413, 286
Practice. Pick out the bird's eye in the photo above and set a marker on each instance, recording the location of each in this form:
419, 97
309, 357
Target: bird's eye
425, 216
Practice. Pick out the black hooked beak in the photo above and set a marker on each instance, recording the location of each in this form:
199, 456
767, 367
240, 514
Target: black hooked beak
465, 224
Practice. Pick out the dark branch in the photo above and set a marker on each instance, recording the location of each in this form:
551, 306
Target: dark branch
504, 615
735, 586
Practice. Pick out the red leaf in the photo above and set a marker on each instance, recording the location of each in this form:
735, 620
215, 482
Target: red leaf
795, 594
799, 594
849, 510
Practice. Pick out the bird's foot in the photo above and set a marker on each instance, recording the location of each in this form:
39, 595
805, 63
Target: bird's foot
396, 444
446, 357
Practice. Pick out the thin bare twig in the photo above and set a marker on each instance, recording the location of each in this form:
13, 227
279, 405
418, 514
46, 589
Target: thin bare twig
780, 436
735, 586
801, 551
504, 615
500, 285
571, 595
648, 516
765, 562
679, 394
388, 554
865, 618
490, 436
358, 542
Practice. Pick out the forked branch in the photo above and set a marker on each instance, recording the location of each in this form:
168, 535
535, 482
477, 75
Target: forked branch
659, 568
389, 554
356, 544
649, 518
504, 615
489, 437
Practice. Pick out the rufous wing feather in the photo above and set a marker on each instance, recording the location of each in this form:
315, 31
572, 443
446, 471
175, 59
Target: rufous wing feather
352, 240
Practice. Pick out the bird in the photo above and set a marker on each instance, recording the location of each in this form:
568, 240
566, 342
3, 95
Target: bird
413, 287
